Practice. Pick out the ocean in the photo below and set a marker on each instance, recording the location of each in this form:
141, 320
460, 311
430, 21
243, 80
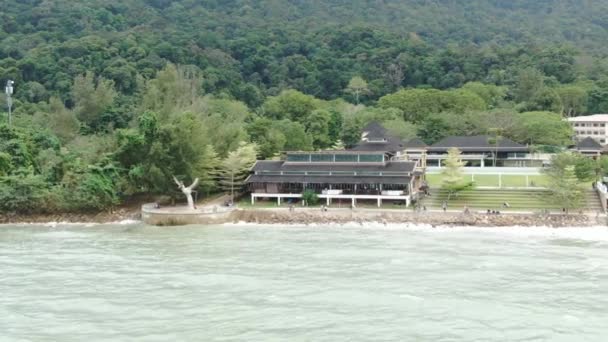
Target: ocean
272, 283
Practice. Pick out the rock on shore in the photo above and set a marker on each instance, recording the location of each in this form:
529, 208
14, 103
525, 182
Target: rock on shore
118, 215
309, 216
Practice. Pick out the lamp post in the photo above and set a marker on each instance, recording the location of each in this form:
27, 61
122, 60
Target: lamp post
8, 90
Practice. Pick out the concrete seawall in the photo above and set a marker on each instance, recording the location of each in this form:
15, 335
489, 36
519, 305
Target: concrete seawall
179, 216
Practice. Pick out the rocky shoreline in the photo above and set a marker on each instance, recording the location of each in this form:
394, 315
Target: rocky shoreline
122, 214
306, 217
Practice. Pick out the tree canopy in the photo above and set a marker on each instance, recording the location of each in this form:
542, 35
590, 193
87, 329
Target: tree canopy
114, 97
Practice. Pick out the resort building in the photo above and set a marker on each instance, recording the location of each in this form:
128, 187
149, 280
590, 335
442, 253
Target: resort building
591, 126
481, 151
375, 138
476, 151
344, 176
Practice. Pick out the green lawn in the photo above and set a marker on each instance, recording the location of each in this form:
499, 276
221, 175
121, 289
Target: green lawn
489, 180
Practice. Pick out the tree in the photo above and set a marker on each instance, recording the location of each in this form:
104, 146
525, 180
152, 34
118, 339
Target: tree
270, 140
434, 128
317, 126
598, 100
59, 120
175, 89
452, 175
415, 104
24, 194
574, 100
395, 75
206, 169
5, 164
566, 190
289, 104
357, 87
92, 97
338, 146
543, 128
546, 99
528, 82
296, 138
90, 187
492, 95
156, 151
235, 168
585, 168
494, 140
403, 130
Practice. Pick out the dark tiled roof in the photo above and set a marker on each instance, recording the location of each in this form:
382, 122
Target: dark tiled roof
589, 144
374, 130
329, 179
268, 165
392, 144
476, 143
415, 143
276, 166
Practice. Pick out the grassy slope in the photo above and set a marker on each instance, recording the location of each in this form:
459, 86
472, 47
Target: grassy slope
508, 181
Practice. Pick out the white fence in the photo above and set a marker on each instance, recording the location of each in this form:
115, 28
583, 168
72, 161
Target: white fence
530, 171
602, 191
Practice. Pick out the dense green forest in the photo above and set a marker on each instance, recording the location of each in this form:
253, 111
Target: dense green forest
114, 97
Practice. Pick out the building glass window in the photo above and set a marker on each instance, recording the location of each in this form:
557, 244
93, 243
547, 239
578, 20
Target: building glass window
369, 173
346, 158
322, 157
371, 158
343, 173
298, 157
516, 155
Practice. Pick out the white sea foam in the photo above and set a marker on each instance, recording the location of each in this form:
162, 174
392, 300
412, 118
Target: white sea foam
591, 233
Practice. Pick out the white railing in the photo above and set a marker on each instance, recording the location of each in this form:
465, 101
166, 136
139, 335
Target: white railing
492, 170
602, 191
393, 193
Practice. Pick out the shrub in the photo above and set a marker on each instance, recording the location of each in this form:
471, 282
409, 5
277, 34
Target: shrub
310, 197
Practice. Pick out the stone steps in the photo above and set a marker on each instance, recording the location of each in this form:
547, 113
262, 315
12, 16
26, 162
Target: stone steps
523, 200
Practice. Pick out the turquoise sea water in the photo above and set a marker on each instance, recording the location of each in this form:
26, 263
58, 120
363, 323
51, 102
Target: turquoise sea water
239, 283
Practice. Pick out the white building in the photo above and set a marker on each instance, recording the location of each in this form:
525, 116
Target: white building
591, 126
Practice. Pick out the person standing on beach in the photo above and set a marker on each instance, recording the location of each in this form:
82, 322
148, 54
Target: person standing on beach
444, 206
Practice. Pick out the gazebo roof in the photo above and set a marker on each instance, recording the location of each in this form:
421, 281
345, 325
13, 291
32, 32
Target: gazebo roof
415, 143
589, 144
374, 130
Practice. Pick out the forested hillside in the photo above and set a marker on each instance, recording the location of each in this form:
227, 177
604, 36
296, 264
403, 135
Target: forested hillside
113, 97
